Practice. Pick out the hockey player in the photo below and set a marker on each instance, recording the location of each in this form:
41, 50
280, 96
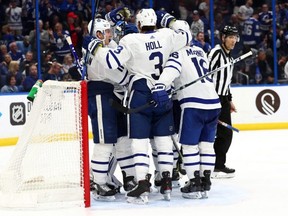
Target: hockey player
144, 55
220, 55
104, 118
200, 108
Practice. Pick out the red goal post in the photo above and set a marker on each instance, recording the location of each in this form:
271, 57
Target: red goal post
49, 166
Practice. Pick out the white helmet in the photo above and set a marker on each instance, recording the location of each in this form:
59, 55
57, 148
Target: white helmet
99, 25
181, 25
146, 17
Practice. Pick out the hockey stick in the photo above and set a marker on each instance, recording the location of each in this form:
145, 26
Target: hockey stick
214, 71
94, 10
228, 126
180, 158
127, 110
78, 64
176, 147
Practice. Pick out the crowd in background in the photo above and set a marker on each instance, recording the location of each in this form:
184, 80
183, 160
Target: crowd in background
57, 18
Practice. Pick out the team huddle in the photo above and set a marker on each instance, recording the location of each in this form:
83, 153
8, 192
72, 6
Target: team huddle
147, 66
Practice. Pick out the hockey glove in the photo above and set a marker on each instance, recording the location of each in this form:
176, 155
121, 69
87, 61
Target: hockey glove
94, 45
118, 14
86, 41
159, 95
164, 19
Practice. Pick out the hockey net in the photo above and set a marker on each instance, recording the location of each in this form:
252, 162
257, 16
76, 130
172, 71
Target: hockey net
50, 163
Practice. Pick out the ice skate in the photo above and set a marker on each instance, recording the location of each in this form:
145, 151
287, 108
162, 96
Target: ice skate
205, 184
166, 185
103, 193
128, 182
223, 173
175, 178
192, 189
139, 195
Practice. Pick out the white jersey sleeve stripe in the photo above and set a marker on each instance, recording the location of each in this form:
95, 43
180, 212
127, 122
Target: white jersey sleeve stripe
110, 53
172, 66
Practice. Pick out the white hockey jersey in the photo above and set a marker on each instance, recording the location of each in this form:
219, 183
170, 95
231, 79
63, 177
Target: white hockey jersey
97, 72
187, 65
144, 54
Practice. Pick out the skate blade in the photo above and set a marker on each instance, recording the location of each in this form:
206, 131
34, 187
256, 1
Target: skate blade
192, 195
167, 195
142, 200
98, 197
204, 194
176, 184
221, 175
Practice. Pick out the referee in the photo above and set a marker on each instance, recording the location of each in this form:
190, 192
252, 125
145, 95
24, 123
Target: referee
219, 56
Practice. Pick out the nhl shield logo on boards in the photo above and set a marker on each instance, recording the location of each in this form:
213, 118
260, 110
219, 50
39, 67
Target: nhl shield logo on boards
17, 114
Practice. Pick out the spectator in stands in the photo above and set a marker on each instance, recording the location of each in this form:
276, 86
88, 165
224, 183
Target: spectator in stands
61, 47
24, 45
265, 69
24, 65
67, 63
54, 73
14, 69
265, 19
75, 31
281, 14
4, 66
10, 86
7, 35
31, 79
183, 10
251, 34
46, 62
3, 51
197, 24
44, 39
15, 53
14, 14
281, 66
204, 6
245, 11
28, 15
200, 42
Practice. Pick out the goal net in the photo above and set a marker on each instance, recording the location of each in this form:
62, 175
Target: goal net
50, 164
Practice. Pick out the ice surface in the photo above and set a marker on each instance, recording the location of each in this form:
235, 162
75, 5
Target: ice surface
259, 187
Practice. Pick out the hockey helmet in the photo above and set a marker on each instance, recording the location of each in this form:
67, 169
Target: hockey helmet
181, 25
99, 25
230, 30
146, 17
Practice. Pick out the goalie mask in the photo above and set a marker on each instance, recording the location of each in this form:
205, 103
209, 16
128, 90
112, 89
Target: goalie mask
146, 17
100, 25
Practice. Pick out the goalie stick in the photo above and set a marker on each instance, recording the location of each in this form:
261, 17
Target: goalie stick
127, 110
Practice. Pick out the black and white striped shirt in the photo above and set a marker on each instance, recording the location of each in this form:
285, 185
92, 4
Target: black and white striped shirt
222, 79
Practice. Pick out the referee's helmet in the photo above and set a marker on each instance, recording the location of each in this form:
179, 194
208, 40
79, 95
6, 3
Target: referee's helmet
230, 30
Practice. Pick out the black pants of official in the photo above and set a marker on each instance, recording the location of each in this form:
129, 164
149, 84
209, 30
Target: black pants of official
224, 135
